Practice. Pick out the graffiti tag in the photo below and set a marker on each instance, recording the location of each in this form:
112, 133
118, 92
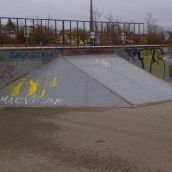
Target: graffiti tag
34, 54
25, 101
32, 88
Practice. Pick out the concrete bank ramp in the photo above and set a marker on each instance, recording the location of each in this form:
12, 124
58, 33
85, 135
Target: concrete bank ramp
95, 80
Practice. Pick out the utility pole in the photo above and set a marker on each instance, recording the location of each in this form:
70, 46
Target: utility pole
92, 33
91, 16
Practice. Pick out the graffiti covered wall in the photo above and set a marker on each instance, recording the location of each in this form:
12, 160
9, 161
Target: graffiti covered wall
42, 77
17, 63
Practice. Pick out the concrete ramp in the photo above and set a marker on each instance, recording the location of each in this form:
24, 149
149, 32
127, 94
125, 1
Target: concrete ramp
95, 80
135, 85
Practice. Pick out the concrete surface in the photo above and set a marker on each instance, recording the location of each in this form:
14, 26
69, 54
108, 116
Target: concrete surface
124, 79
58, 83
86, 139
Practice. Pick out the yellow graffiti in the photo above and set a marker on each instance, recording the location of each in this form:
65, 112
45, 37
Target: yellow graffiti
34, 88
53, 83
15, 91
43, 92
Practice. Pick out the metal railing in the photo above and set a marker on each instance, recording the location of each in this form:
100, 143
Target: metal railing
52, 32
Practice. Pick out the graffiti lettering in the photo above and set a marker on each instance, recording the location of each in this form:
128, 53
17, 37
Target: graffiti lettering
34, 54
25, 101
20, 100
33, 88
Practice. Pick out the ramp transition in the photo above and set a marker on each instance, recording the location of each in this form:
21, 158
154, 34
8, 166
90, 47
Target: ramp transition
94, 80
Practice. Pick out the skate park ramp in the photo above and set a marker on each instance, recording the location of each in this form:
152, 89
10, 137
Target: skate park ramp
87, 80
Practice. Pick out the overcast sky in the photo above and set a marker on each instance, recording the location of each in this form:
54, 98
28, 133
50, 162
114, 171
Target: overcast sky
126, 10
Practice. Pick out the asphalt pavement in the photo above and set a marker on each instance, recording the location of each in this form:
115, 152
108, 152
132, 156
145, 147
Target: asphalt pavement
86, 139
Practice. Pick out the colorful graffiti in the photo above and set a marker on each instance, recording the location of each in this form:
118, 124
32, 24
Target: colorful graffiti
17, 63
28, 91
31, 88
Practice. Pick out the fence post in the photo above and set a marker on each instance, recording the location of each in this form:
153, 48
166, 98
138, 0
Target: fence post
33, 32
77, 35
63, 31
70, 33
25, 32
139, 33
1, 32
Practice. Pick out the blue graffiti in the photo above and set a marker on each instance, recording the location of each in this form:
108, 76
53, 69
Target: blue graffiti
34, 54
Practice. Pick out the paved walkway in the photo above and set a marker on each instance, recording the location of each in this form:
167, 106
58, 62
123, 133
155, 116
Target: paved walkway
86, 139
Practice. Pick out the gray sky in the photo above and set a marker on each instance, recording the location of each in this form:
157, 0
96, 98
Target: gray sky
126, 10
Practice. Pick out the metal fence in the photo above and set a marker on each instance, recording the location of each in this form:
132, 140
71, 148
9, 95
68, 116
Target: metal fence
52, 32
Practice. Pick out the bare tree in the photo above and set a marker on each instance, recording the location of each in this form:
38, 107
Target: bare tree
154, 32
150, 23
96, 15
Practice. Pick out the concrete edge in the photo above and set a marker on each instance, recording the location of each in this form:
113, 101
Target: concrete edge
154, 103
87, 107
80, 47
